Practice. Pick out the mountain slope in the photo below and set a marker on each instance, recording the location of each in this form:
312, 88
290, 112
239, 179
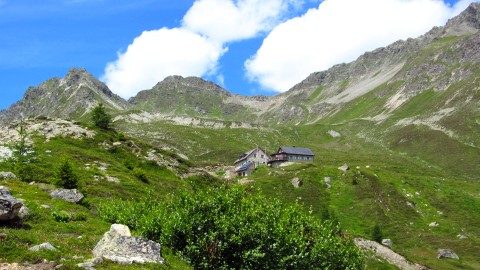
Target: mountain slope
70, 97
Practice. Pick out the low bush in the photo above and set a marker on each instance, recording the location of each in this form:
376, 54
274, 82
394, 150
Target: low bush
140, 174
229, 228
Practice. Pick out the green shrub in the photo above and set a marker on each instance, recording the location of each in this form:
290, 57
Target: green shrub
100, 117
26, 172
66, 176
140, 174
61, 216
229, 228
121, 137
377, 234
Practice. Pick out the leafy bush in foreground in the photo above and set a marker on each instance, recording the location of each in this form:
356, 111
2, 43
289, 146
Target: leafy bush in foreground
228, 228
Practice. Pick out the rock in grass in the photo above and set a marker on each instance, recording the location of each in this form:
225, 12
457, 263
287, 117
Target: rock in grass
446, 254
46, 246
434, 224
387, 242
9, 205
344, 168
69, 195
119, 246
296, 182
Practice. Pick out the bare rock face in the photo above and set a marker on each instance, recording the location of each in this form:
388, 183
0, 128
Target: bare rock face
69, 195
9, 206
119, 246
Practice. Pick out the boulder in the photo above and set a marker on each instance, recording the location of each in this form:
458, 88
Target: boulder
344, 168
69, 195
387, 242
9, 206
446, 254
7, 175
43, 246
296, 182
119, 246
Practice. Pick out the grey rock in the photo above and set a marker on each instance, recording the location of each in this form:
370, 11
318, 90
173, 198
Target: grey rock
9, 205
296, 182
119, 246
434, 224
7, 175
24, 211
69, 195
446, 254
462, 236
387, 242
327, 179
411, 204
43, 246
344, 168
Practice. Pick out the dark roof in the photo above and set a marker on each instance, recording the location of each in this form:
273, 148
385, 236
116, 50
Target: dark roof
245, 156
297, 151
245, 166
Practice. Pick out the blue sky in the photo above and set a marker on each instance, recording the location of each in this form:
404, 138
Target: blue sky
248, 46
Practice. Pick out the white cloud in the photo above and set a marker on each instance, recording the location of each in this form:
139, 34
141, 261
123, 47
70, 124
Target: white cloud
339, 31
157, 54
195, 48
227, 20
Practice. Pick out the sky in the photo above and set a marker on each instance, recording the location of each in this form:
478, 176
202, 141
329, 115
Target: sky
249, 47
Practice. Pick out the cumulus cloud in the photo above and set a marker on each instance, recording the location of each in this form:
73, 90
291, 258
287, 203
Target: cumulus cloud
195, 47
157, 54
339, 31
226, 20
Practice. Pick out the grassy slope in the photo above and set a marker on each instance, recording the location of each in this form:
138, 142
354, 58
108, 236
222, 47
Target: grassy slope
395, 176
40, 225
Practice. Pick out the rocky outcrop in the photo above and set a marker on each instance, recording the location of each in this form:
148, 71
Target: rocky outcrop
9, 206
387, 254
119, 246
69, 195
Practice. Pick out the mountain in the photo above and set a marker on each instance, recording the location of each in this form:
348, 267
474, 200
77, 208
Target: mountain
71, 97
193, 96
395, 74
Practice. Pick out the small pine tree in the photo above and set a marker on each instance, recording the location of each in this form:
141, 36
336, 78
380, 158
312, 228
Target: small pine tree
377, 234
100, 117
66, 176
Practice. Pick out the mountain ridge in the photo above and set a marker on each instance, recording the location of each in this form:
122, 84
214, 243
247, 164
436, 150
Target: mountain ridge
321, 95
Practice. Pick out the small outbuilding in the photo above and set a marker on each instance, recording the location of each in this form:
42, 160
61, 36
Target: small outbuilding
246, 169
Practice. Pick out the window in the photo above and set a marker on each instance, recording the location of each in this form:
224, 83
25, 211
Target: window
262, 156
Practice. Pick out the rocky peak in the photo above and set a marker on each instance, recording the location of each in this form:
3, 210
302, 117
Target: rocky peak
72, 96
180, 83
467, 22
